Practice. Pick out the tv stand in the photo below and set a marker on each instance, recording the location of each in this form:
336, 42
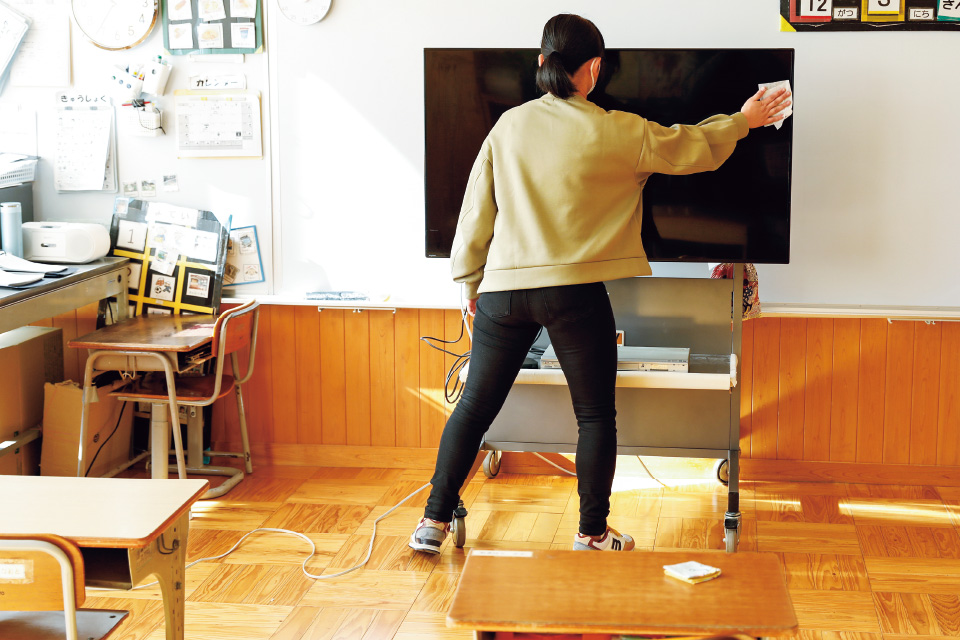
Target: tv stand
695, 414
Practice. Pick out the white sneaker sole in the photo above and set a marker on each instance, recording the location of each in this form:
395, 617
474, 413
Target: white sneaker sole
419, 546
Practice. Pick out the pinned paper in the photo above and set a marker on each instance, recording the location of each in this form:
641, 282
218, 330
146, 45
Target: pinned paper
198, 285
164, 262
210, 35
162, 287
211, 10
179, 10
772, 88
243, 35
172, 214
132, 235
243, 9
181, 35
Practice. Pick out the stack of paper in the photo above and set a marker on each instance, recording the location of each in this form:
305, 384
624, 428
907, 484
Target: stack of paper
13, 28
692, 572
10, 262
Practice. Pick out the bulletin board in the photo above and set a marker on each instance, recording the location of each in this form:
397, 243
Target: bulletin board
212, 26
177, 257
870, 15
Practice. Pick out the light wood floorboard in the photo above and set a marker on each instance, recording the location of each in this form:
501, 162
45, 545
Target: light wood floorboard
862, 562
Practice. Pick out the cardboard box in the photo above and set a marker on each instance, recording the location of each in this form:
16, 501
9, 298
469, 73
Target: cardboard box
29, 358
61, 431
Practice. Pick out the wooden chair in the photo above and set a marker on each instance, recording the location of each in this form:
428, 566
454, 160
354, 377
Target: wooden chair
234, 330
42, 588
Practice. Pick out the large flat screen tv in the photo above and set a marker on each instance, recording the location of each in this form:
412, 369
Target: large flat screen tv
739, 213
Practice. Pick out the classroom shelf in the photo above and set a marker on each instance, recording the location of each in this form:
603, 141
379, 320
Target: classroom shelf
716, 372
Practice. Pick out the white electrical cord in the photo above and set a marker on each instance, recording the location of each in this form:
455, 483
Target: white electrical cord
652, 477
313, 547
463, 313
567, 471
573, 473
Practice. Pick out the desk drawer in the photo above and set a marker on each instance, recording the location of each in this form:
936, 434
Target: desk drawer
107, 568
135, 363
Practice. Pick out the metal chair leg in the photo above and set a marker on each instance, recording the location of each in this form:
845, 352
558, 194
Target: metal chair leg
243, 430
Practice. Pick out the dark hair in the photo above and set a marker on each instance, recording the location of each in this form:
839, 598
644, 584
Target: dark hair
568, 41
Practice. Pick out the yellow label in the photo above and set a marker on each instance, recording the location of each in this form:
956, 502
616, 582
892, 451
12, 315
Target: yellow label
786, 26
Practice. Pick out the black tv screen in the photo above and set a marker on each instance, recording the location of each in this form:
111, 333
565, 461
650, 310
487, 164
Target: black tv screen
739, 213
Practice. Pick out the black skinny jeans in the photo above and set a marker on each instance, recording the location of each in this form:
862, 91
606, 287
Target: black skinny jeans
580, 322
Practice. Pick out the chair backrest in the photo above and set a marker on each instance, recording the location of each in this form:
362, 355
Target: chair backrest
31, 572
236, 328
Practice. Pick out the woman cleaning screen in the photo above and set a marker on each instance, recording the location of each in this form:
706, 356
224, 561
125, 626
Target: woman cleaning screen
552, 209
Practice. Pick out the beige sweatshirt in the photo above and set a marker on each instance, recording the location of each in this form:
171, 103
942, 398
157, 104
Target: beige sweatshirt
554, 196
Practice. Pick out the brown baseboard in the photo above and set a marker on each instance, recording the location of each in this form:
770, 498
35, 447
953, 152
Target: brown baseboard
323, 455
328, 455
854, 472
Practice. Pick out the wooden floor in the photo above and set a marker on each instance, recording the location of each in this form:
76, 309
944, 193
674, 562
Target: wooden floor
863, 562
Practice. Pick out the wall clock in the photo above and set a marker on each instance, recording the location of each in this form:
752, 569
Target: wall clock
115, 24
304, 11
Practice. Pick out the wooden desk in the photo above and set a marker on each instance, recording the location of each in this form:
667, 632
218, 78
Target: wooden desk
577, 592
171, 344
92, 282
126, 529
176, 334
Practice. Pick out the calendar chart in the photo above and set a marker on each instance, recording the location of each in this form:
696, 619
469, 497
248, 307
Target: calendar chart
869, 15
218, 124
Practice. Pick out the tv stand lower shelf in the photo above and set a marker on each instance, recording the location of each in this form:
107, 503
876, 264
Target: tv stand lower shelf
707, 371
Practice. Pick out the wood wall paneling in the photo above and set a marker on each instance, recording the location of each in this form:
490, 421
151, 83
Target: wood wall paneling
383, 405
845, 390
283, 353
817, 394
262, 381
746, 388
898, 393
948, 416
432, 415
356, 330
766, 396
407, 362
333, 396
870, 394
792, 390
309, 355
925, 402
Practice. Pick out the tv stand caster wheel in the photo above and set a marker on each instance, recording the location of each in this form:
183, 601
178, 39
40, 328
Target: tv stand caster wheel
491, 464
732, 524
458, 527
721, 469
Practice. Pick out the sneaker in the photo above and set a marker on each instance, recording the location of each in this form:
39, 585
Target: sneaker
611, 540
429, 535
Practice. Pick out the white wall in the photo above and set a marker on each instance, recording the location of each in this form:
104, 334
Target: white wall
238, 186
875, 218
